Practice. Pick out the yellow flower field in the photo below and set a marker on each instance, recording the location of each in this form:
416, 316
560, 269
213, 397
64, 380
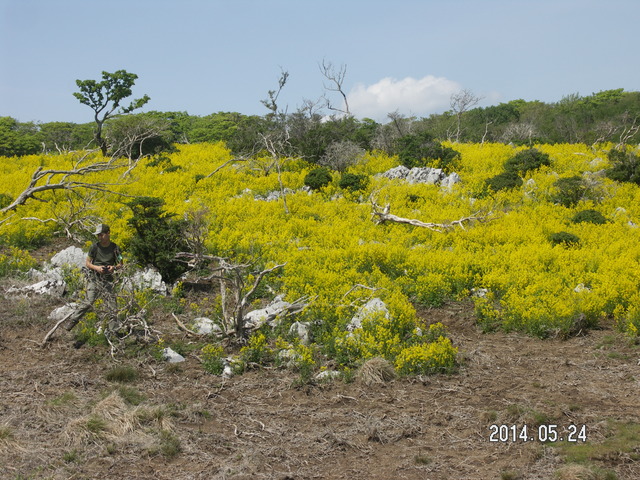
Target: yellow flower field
330, 243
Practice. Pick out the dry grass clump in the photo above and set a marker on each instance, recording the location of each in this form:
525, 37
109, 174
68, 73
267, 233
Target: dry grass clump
116, 423
576, 472
376, 371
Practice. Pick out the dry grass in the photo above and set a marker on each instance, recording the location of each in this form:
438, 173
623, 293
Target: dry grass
376, 371
114, 423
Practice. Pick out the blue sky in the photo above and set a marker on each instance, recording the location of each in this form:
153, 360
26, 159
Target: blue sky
407, 56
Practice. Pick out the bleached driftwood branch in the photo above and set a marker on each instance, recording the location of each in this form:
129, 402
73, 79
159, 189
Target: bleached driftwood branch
382, 215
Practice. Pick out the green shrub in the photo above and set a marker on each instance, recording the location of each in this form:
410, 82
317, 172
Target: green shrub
504, 181
570, 190
625, 166
212, 359
527, 161
318, 178
589, 216
353, 182
418, 150
564, 238
157, 237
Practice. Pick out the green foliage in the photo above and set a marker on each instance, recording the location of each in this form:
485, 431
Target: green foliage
353, 182
419, 150
428, 358
212, 359
504, 181
589, 216
318, 178
527, 161
570, 190
257, 350
13, 260
565, 239
625, 166
17, 138
157, 237
104, 98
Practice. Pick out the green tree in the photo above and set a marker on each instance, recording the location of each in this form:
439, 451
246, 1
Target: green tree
18, 138
104, 99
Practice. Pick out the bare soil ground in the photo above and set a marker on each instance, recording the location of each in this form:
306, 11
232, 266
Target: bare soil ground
60, 418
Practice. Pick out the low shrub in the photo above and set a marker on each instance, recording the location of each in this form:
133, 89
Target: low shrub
427, 358
212, 359
589, 216
504, 181
353, 182
527, 161
570, 190
565, 239
318, 178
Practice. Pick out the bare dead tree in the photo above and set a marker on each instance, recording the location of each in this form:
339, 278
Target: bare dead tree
382, 215
235, 287
45, 180
628, 133
72, 214
335, 77
276, 142
461, 102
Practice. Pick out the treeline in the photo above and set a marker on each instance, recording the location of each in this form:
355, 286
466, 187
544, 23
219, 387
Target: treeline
607, 116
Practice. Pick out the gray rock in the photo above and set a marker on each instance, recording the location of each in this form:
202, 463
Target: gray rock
72, 257
426, 175
256, 318
147, 279
43, 287
375, 306
171, 356
205, 326
300, 330
450, 180
61, 312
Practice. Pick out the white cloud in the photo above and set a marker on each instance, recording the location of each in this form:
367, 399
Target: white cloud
409, 96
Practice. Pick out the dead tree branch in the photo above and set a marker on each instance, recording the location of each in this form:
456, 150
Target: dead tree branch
382, 215
235, 292
43, 180
336, 84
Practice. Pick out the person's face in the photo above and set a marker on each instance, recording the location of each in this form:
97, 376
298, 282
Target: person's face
103, 236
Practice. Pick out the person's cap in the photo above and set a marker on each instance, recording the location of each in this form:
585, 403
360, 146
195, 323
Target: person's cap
102, 228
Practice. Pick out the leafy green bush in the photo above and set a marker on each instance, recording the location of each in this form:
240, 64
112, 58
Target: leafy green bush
504, 181
589, 216
564, 238
625, 166
157, 237
527, 161
570, 190
212, 359
418, 150
353, 182
318, 178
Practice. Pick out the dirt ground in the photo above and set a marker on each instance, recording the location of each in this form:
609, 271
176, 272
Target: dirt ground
61, 418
